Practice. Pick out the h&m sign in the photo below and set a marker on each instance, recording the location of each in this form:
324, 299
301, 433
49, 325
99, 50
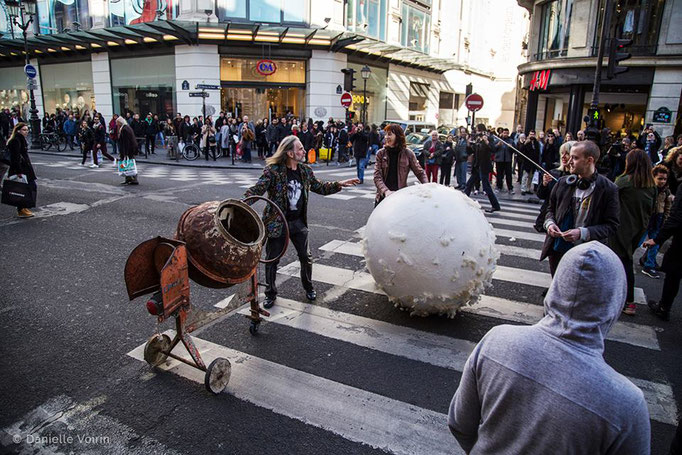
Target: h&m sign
540, 80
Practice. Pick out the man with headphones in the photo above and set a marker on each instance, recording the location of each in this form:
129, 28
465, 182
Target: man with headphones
583, 206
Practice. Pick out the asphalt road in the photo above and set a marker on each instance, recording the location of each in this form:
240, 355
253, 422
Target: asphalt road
351, 374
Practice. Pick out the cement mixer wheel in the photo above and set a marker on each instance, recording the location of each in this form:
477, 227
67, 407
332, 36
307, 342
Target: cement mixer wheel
156, 349
253, 328
218, 375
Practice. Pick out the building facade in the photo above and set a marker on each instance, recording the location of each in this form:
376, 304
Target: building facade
268, 58
563, 46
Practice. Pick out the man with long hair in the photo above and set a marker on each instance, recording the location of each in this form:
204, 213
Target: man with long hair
288, 182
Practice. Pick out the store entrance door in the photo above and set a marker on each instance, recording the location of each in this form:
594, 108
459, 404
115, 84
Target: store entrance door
259, 103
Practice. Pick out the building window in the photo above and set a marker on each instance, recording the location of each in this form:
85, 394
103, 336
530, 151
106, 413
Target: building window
416, 28
144, 85
555, 28
638, 20
367, 17
447, 100
67, 86
270, 11
419, 94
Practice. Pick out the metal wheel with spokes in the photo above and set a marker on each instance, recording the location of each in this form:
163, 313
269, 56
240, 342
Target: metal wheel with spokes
190, 152
45, 142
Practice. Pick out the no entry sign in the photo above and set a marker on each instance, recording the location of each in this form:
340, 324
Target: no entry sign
474, 102
346, 99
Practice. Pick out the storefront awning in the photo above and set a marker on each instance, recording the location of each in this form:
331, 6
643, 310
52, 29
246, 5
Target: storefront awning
169, 33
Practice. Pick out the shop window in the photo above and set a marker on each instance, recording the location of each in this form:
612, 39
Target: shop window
419, 94
555, 28
13, 93
143, 85
246, 69
367, 17
416, 27
638, 20
67, 86
270, 11
447, 100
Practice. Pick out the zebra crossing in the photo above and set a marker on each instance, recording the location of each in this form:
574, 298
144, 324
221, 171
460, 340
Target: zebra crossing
352, 313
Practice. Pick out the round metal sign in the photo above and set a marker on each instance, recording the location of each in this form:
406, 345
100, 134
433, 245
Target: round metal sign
346, 100
30, 71
474, 102
266, 67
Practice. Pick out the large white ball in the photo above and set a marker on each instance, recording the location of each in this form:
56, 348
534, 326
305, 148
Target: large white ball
430, 249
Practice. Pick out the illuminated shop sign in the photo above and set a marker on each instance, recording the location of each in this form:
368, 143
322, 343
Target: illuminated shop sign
266, 67
540, 80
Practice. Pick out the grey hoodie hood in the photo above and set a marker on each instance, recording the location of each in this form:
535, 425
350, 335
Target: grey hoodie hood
586, 297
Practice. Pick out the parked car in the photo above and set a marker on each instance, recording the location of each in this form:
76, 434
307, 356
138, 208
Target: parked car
411, 126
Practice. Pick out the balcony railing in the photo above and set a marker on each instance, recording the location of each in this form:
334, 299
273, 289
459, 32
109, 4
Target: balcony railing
546, 55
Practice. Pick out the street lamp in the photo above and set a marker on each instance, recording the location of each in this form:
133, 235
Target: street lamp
22, 12
365, 72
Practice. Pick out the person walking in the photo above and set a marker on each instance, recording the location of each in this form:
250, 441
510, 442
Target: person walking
288, 182
70, 130
86, 137
246, 142
583, 206
672, 260
20, 164
100, 134
127, 147
637, 196
482, 167
113, 133
360, 140
433, 151
374, 144
546, 388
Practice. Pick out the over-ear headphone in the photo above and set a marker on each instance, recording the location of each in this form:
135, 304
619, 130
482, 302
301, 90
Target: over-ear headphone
581, 183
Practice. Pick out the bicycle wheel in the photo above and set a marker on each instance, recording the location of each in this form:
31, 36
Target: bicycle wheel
45, 142
218, 153
190, 152
60, 143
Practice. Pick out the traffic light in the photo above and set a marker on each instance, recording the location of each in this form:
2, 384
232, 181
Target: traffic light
350, 115
616, 56
592, 122
469, 89
348, 79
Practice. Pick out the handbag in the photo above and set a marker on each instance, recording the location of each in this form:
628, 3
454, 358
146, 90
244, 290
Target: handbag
18, 194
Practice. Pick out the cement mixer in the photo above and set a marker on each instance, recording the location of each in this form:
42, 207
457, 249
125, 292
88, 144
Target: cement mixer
217, 245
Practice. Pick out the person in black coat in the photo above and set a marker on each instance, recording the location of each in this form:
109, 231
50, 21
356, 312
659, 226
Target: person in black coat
446, 160
672, 260
482, 161
550, 154
100, 143
127, 146
150, 132
531, 149
20, 163
139, 128
86, 138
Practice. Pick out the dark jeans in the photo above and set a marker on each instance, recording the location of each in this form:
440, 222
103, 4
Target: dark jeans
554, 257
445, 171
210, 149
149, 143
70, 140
476, 178
85, 150
273, 149
360, 165
298, 233
671, 285
630, 278
102, 147
246, 154
504, 171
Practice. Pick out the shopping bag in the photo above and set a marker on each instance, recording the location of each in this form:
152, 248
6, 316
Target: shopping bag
311, 156
325, 153
18, 194
127, 167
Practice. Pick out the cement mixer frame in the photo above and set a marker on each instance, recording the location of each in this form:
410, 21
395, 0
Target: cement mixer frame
164, 267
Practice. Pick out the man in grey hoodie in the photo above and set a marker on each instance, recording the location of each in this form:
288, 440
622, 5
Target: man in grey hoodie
546, 388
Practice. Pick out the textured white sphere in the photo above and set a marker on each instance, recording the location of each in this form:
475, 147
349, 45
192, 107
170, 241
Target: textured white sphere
430, 249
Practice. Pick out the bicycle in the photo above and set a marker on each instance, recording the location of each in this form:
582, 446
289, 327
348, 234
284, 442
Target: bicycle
191, 152
47, 140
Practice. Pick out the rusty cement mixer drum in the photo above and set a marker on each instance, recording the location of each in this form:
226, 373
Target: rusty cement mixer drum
224, 241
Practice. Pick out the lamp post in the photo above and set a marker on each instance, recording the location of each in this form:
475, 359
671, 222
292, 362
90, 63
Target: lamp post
19, 9
365, 72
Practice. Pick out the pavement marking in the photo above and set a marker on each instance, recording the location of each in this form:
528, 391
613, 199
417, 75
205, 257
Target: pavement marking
633, 334
505, 208
505, 214
508, 222
223, 303
536, 237
90, 430
352, 413
343, 197
438, 350
508, 203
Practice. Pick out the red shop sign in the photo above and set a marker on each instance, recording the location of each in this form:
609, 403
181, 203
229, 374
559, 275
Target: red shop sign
266, 67
540, 80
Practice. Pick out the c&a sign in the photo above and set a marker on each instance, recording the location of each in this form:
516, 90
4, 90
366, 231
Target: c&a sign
266, 67
540, 80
